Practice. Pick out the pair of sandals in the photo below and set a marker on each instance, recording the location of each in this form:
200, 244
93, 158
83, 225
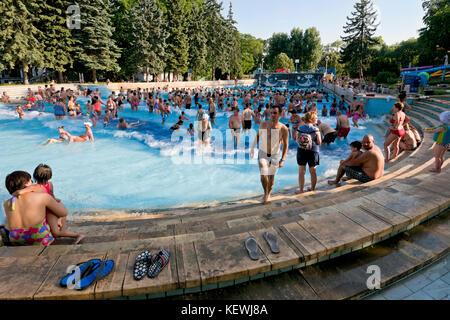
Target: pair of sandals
252, 246
148, 265
85, 274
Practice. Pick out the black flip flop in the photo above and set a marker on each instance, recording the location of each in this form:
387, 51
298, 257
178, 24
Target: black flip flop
158, 263
141, 265
272, 241
252, 248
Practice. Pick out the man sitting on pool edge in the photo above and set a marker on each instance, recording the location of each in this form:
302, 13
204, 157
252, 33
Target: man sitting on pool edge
367, 167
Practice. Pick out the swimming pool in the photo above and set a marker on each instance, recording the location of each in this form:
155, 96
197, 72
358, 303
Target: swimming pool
135, 169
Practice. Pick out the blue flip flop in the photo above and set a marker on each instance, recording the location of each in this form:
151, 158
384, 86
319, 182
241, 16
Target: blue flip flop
97, 272
83, 266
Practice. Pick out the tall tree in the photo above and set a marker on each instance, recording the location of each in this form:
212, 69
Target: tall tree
19, 43
360, 29
312, 49
177, 42
296, 47
233, 49
95, 47
436, 34
55, 37
123, 36
216, 31
197, 39
278, 43
283, 61
149, 37
252, 52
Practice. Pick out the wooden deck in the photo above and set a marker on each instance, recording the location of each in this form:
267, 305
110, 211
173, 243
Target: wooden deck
207, 244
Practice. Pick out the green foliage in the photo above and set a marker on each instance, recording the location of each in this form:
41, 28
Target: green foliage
177, 42
278, 43
197, 38
149, 37
386, 77
436, 34
95, 47
359, 40
283, 61
55, 37
19, 45
384, 64
252, 52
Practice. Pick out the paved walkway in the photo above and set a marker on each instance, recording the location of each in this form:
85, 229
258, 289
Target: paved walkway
431, 283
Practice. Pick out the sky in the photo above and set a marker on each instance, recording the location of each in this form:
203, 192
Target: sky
399, 19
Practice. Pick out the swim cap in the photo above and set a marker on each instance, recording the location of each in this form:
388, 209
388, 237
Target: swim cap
445, 117
88, 124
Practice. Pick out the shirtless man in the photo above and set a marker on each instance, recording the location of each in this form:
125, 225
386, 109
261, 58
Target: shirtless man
248, 114
343, 126
5, 98
88, 135
369, 166
123, 125
329, 134
212, 111
273, 134
235, 124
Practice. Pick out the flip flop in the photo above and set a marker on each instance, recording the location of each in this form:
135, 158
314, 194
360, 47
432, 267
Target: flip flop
141, 265
252, 248
272, 241
158, 263
4, 236
97, 272
83, 266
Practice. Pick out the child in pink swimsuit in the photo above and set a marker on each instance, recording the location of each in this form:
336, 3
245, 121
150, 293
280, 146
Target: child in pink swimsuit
42, 174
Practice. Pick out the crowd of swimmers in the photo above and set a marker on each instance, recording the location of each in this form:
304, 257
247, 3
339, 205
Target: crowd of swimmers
264, 108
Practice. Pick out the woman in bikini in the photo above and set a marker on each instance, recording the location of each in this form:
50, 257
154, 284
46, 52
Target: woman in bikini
88, 135
396, 133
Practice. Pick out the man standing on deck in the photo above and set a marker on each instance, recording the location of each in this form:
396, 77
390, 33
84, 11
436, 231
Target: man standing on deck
273, 134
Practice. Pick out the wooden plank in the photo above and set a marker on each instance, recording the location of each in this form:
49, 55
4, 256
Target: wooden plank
14, 252
376, 226
50, 288
21, 277
227, 259
397, 220
287, 257
189, 269
414, 206
112, 288
336, 232
310, 247
313, 214
167, 280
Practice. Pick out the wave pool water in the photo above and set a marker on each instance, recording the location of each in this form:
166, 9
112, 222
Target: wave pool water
134, 169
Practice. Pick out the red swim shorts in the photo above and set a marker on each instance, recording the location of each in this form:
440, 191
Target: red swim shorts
343, 132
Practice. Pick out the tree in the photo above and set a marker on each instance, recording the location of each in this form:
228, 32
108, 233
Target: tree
251, 52
123, 36
197, 39
177, 42
312, 49
95, 48
296, 47
216, 34
360, 29
233, 65
18, 37
149, 37
436, 34
278, 43
283, 61
55, 37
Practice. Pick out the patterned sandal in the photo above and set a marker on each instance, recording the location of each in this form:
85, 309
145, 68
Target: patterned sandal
158, 263
141, 265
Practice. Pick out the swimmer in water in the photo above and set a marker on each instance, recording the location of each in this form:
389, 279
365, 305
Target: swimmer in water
87, 136
19, 111
123, 125
63, 137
